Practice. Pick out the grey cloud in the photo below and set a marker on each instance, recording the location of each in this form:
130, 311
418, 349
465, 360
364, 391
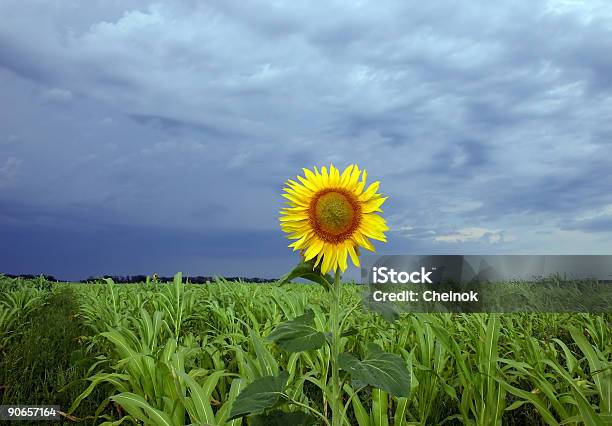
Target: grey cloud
599, 224
417, 233
175, 126
13, 58
9, 170
192, 115
57, 95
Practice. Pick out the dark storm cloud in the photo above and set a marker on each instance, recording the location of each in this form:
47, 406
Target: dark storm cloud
562, 194
73, 253
488, 124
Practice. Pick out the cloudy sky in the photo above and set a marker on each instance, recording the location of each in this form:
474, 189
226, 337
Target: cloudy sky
141, 137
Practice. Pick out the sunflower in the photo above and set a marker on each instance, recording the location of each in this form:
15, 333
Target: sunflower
330, 215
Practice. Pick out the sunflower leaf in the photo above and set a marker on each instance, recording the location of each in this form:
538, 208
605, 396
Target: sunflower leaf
298, 335
379, 369
260, 395
308, 271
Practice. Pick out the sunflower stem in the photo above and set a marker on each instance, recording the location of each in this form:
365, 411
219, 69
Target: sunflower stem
334, 313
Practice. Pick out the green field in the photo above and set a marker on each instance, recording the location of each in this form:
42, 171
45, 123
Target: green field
181, 353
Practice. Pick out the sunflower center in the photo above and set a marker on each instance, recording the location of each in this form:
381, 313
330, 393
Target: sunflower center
334, 214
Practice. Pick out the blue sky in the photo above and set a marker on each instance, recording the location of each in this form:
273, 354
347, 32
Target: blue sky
140, 137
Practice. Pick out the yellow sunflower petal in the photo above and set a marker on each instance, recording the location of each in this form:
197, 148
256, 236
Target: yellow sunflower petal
354, 178
307, 183
373, 205
327, 258
361, 240
342, 253
375, 221
319, 257
334, 175
296, 200
294, 217
334, 260
368, 193
314, 249
346, 175
299, 244
324, 176
312, 178
354, 257
361, 185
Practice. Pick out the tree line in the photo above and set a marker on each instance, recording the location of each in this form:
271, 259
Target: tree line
127, 279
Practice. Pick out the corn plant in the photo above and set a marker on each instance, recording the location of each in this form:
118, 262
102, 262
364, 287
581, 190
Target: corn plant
384, 371
238, 353
14, 307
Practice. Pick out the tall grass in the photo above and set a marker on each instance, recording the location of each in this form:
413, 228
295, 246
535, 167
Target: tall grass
178, 353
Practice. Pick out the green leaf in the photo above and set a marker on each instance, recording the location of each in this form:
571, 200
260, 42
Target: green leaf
352, 331
379, 369
265, 360
222, 414
136, 406
399, 418
598, 367
200, 395
362, 416
308, 271
358, 384
118, 380
263, 393
298, 335
515, 405
380, 406
328, 337
385, 309
531, 398
589, 416
281, 418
